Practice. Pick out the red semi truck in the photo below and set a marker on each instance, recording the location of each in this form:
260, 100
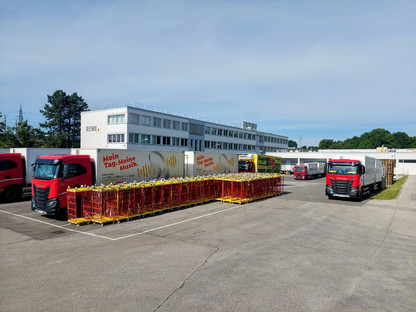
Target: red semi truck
309, 171
353, 178
13, 176
53, 175
16, 171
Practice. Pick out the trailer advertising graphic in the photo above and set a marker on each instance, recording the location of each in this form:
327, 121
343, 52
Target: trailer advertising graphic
207, 163
197, 163
268, 164
132, 166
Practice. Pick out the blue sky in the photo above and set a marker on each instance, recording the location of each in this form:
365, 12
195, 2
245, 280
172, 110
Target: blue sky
308, 69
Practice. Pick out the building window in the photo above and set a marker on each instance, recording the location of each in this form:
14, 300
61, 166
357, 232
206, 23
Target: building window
196, 129
214, 131
175, 141
184, 126
167, 123
166, 140
207, 130
220, 132
184, 142
225, 132
145, 120
145, 139
115, 119
134, 118
176, 125
157, 122
133, 138
115, 138
230, 133
156, 139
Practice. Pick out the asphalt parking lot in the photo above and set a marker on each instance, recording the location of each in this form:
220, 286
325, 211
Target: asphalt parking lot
295, 252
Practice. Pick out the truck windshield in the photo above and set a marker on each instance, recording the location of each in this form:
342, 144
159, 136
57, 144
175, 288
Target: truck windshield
299, 169
46, 171
242, 165
342, 169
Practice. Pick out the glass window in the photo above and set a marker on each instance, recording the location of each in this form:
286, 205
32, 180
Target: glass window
176, 125
167, 123
220, 132
196, 129
145, 120
156, 139
145, 139
184, 126
166, 140
134, 118
6, 164
184, 142
175, 141
207, 130
133, 138
75, 170
214, 131
115, 119
230, 133
115, 138
157, 122
225, 132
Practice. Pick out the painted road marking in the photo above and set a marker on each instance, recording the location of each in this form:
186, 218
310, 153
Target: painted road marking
127, 236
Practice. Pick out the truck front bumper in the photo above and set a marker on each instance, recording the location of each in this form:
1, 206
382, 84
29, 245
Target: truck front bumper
353, 192
49, 207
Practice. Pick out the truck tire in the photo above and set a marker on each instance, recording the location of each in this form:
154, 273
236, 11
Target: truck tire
12, 194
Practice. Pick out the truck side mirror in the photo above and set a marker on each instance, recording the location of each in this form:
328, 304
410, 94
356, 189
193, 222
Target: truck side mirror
362, 169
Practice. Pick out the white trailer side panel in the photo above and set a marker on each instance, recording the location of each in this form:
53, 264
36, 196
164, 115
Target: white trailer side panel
31, 154
200, 163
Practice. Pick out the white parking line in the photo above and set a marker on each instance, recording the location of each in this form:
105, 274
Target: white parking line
131, 235
54, 225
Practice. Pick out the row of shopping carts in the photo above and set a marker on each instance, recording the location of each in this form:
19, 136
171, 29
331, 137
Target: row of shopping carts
113, 203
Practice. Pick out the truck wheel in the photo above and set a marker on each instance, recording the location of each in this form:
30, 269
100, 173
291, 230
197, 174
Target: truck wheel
12, 194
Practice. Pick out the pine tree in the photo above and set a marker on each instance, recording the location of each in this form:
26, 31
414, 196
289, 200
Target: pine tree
63, 119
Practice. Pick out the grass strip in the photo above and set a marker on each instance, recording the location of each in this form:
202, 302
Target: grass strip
393, 191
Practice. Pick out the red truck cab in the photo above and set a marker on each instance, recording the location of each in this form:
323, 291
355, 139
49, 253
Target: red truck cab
300, 172
344, 178
53, 175
245, 166
12, 175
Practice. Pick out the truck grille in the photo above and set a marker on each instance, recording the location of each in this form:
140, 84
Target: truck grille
41, 196
341, 187
298, 176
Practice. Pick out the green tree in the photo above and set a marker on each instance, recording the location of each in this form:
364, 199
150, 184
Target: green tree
28, 136
63, 119
376, 138
291, 143
326, 144
2, 124
401, 140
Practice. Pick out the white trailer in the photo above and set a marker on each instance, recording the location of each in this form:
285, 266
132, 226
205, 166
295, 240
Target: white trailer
200, 163
309, 170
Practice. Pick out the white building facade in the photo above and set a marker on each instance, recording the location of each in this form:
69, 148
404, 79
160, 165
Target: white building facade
134, 128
